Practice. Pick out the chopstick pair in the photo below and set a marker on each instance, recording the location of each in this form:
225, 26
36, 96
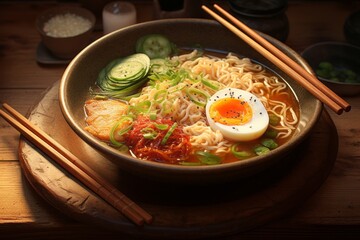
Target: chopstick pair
76, 167
290, 67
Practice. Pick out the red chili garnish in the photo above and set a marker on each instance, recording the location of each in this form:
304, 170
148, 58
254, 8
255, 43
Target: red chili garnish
177, 147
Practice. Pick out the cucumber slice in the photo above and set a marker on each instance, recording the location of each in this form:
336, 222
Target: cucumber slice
123, 76
154, 45
126, 70
139, 44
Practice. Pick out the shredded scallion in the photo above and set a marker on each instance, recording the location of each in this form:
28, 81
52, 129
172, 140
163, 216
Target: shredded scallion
237, 153
149, 133
208, 158
209, 84
160, 95
168, 134
114, 130
142, 107
198, 97
161, 126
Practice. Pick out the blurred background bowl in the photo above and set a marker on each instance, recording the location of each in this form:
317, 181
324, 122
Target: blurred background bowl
61, 46
343, 58
83, 70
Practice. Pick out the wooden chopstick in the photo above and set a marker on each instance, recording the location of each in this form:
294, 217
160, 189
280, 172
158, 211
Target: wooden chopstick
311, 78
76, 167
319, 90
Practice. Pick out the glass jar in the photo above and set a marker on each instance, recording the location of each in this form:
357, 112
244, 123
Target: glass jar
267, 16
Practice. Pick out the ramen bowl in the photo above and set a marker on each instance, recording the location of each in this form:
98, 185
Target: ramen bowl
84, 69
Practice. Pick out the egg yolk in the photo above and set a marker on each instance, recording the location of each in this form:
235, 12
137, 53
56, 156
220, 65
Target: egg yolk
231, 111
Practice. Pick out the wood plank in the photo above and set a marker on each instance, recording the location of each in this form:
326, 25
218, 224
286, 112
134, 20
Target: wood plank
22, 100
26, 211
19, 203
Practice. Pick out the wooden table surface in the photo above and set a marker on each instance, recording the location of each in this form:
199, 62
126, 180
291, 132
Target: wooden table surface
333, 211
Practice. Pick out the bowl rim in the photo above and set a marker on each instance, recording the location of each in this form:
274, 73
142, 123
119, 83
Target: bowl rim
179, 169
338, 83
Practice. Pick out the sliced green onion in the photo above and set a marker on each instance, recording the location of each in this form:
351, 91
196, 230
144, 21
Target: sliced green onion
114, 142
153, 78
208, 158
160, 96
150, 136
172, 76
198, 97
149, 133
168, 134
166, 107
158, 65
172, 63
269, 143
161, 126
120, 132
239, 154
207, 83
142, 107
271, 133
261, 150
178, 76
153, 116
178, 88
273, 119
100, 97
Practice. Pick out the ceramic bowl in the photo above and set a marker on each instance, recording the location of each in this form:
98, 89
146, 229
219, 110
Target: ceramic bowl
65, 47
343, 57
83, 70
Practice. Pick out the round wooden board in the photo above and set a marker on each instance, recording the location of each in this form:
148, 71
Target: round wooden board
179, 212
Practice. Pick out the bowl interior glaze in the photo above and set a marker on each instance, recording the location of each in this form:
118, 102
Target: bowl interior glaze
84, 69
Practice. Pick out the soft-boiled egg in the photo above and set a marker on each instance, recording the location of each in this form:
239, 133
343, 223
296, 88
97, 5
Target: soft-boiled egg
239, 115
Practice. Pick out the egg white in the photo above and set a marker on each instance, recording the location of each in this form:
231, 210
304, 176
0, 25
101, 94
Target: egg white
251, 130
